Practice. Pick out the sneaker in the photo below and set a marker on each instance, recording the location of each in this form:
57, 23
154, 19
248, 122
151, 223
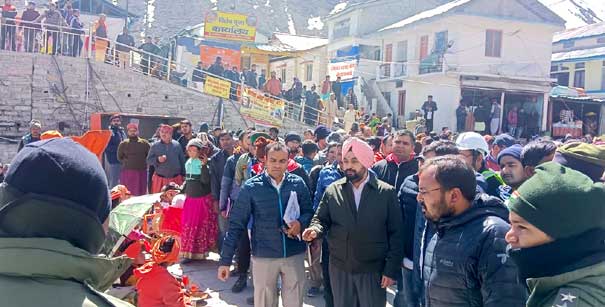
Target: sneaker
313, 292
250, 301
240, 284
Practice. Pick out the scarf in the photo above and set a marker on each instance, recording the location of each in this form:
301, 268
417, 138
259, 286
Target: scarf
560, 256
160, 257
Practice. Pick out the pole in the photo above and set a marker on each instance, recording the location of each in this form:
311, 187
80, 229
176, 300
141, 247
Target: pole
169, 61
126, 18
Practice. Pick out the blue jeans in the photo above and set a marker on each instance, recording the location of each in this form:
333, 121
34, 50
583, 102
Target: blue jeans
405, 296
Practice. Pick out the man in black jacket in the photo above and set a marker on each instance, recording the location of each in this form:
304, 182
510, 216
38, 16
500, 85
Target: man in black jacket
361, 219
400, 163
465, 262
217, 168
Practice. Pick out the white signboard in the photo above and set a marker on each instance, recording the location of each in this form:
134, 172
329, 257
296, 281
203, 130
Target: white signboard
345, 70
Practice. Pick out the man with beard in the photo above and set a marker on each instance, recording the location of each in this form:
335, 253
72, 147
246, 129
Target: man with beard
361, 219
293, 141
511, 169
168, 160
132, 153
409, 293
556, 238
468, 244
186, 134
113, 165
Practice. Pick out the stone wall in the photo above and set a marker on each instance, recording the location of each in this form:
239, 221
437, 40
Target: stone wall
53, 90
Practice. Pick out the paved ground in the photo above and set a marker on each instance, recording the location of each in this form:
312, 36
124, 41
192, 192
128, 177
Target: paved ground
204, 273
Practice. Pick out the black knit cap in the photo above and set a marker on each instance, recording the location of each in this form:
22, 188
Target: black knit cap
72, 180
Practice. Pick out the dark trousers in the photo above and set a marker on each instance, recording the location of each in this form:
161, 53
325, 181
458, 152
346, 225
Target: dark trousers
29, 39
8, 32
325, 269
243, 255
76, 45
429, 125
460, 124
357, 289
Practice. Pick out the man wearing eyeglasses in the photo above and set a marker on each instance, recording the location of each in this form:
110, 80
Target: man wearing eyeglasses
465, 261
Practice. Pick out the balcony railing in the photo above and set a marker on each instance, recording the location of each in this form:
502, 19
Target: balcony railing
65, 41
431, 64
391, 71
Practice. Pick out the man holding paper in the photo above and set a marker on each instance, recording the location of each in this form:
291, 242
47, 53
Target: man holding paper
276, 246
361, 218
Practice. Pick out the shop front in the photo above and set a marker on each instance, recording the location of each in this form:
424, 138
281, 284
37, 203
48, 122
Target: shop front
575, 116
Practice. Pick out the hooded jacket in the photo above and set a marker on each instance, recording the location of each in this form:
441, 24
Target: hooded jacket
50, 272
465, 263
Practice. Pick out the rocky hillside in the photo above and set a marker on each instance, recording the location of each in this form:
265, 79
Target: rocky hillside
166, 17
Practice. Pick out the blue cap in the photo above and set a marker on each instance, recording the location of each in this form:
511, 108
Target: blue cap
504, 140
513, 151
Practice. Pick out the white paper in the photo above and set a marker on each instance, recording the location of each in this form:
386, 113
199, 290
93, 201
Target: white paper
292, 212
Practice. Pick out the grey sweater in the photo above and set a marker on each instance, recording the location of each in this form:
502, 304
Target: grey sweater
175, 159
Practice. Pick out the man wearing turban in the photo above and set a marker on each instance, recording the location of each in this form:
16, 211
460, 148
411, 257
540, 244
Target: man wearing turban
361, 219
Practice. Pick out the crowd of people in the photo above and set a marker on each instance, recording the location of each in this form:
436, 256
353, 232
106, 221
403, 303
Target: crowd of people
448, 219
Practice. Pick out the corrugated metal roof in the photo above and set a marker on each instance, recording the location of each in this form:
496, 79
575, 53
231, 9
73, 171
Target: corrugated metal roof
585, 31
578, 54
427, 14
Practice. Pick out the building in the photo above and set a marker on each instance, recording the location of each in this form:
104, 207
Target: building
578, 59
469, 50
308, 59
352, 41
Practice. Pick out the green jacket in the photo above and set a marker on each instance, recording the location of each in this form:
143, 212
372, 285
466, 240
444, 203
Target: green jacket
579, 288
50, 272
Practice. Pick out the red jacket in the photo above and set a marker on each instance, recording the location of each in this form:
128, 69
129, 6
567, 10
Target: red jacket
158, 288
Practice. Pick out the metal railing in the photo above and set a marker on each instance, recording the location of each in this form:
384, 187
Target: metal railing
67, 41
391, 70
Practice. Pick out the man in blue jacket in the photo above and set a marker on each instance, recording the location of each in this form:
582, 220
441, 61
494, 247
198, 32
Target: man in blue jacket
113, 165
276, 246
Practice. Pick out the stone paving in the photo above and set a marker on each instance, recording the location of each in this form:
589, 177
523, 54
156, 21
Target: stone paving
203, 273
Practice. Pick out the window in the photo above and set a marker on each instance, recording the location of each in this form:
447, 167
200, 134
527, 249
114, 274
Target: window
401, 103
424, 46
283, 75
402, 51
579, 79
388, 58
309, 72
493, 43
441, 42
562, 78
554, 68
601, 40
569, 44
580, 65
341, 29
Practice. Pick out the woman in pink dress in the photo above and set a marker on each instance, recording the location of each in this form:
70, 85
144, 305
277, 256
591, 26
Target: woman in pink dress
199, 227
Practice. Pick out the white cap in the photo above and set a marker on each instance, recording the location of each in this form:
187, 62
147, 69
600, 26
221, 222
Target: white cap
472, 141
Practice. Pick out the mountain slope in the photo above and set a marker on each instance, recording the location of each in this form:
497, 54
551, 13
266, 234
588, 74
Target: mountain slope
577, 13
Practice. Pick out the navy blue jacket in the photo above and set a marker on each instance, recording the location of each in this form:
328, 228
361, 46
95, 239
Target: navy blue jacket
261, 201
465, 262
111, 151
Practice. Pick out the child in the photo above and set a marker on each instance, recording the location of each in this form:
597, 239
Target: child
199, 227
156, 286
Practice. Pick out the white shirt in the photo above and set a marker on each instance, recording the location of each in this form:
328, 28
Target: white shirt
357, 191
274, 183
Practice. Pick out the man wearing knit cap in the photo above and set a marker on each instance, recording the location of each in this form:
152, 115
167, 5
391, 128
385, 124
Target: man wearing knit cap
132, 153
54, 209
557, 236
511, 168
588, 159
321, 135
112, 164
500, 143
167, 157
293, 141
35, 130
361, 218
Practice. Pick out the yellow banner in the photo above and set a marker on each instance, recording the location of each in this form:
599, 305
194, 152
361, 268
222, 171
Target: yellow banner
261, 109
230, 26
217, 87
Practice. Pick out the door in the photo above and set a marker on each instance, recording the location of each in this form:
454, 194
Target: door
424, 47
401, 104
388, 58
